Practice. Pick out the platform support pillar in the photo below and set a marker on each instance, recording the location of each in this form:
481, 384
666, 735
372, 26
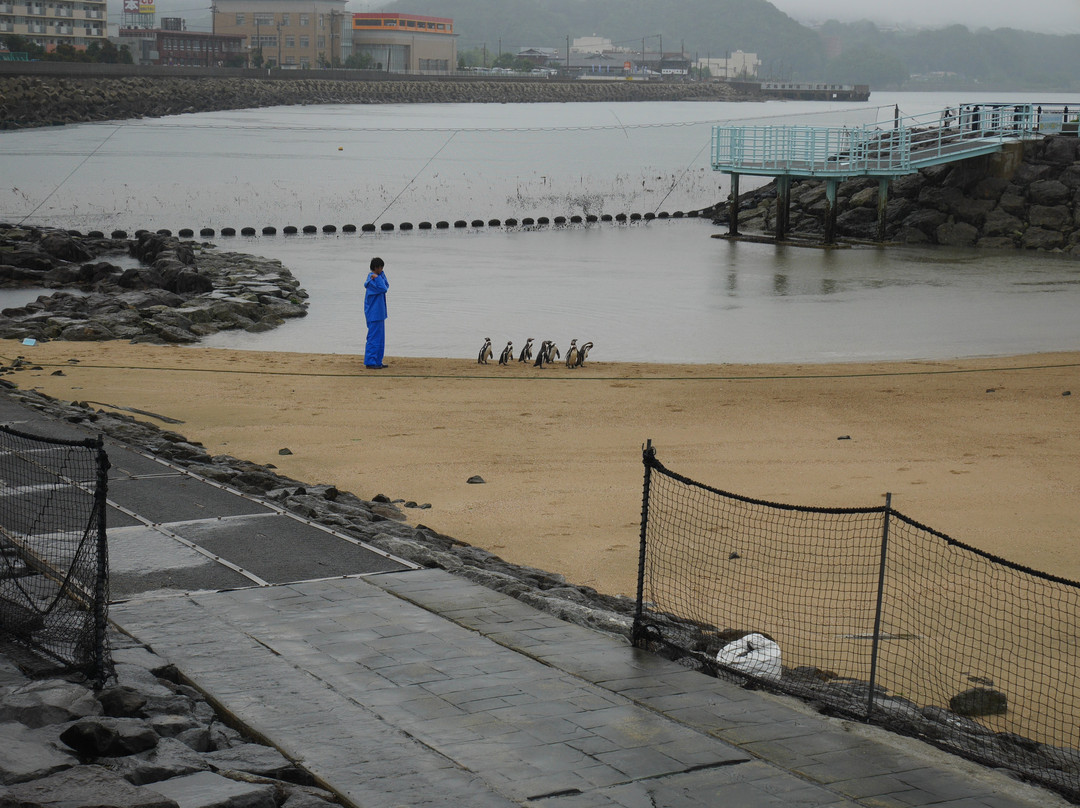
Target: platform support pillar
882, 202
830, 210
733, 207
783, 206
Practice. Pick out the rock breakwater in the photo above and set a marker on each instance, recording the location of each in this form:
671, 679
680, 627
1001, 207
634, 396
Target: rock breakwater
179, 291
28, 101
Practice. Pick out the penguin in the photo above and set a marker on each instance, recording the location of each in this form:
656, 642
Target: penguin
583, 352
507, 354
572, 354
526, 352
542, 355
485, 352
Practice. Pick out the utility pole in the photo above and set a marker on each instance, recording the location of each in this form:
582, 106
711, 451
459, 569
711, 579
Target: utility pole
568, 53
279, 45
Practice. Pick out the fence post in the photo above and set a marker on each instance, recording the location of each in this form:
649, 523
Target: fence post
101, 584
648, 454
877, 611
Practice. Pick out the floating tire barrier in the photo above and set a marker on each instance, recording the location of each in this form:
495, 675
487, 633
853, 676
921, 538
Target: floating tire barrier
635, 217
289, 230
228, 231
95, 234
677, 214
424, 225
693, 214
329, 228
386, 226
119, 234
606, 217
575, 220
494, 223
461, 223
511, 222
649, 216
562, 219
206, 232
543, 220
164, 232
247, 231
620, 217
269, 231
310, 228
368, 228
477, 222
186, 232
528, 221
662, 214
74, 233
405, 226
348, 228
592, 217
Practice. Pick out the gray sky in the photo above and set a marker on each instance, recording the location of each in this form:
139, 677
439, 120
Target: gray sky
1047, 16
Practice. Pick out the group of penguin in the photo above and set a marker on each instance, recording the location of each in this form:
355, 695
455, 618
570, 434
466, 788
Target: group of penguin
547, 354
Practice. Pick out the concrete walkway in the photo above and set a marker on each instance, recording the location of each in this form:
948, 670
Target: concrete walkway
397, 686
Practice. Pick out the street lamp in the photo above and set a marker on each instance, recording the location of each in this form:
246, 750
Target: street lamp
279, 45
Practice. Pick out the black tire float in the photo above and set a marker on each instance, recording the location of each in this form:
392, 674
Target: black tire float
620, 217
386, 226
592, 217
289, 230
606, 217
119, 234
561, 219
511, 222
187, 232
206, 232
442, 225
310, 228
405, 226
329, 228
228, 231
477, 222
348, 228
461, 223
494, 223
95, 234
164, 232
247, 231
368, 228
269, 231
528, 221
424, 225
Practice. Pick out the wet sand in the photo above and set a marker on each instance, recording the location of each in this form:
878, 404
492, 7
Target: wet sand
984, 450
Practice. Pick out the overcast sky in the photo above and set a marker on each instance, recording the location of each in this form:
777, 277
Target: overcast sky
1047, 16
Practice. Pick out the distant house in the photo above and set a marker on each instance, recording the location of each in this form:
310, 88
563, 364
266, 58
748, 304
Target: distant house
541, 57
172, 44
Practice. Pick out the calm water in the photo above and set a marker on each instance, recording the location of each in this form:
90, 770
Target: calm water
657, 291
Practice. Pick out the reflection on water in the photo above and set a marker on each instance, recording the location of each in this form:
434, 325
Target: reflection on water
665, 291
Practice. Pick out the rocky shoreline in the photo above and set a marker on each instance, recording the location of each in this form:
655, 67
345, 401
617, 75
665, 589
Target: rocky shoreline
31, 101
178, 292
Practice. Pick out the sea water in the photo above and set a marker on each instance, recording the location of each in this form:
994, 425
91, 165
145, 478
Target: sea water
659, 290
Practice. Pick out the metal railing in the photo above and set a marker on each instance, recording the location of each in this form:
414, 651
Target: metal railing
889, 148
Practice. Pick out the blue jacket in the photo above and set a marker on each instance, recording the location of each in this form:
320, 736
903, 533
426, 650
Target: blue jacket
375, 298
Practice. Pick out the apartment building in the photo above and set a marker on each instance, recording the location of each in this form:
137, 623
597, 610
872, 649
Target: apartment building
55, 22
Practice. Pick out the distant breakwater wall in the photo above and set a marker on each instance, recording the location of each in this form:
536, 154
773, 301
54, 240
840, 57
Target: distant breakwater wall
1025, 197
45, 100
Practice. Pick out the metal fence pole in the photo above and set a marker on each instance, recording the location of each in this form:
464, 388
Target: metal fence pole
877, 611
101, 584
648, 454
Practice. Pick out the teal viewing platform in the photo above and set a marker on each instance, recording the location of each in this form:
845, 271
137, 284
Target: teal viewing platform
884, 150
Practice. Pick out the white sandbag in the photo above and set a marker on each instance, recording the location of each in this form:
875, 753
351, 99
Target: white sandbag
754, 654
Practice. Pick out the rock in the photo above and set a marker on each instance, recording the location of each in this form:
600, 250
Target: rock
264, 761
50, 701
109, 737
476, 479
957, 234
212, 790
979, 701
70, 788
29, 754
1048, 192
170, 758
122, 701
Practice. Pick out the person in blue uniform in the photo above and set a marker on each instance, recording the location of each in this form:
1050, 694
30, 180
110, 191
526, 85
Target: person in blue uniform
375, 314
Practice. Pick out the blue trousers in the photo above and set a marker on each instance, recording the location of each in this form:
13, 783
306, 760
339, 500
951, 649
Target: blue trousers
376, 342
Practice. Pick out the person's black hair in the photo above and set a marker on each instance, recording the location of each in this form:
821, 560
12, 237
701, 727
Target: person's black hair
376, 263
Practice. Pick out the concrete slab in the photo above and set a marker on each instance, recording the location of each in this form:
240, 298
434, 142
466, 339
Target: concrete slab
279, 548
162, 500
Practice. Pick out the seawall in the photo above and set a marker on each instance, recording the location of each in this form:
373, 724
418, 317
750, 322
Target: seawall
61, 96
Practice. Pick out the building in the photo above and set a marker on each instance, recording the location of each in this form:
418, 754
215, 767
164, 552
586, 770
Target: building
404, 43
738, 65
77, 23
173, 44
287, 33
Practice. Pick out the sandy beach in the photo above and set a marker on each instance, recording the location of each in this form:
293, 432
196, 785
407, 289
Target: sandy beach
984, 450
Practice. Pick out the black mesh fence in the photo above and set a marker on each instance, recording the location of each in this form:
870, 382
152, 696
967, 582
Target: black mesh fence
53, 554
871, 616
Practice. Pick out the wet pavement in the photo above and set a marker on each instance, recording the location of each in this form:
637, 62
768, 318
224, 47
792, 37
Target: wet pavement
399, 686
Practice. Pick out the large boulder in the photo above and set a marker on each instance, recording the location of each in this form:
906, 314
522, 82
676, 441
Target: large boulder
50, 701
